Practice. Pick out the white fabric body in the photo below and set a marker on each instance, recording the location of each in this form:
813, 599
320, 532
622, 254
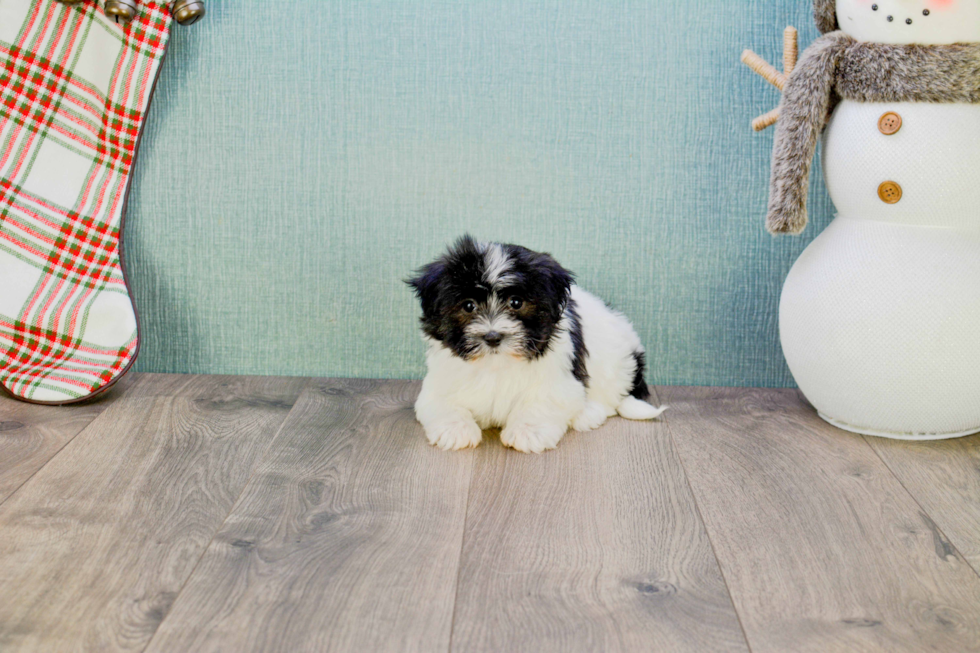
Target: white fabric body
934, 157
879, 317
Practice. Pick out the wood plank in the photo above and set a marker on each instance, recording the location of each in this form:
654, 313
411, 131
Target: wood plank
821, 546
596, 546
30, 435
347, 538
97, 544
193, 385
944, 477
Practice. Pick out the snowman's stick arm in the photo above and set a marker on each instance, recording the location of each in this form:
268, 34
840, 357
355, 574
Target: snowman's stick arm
791, 50
766, 120
803, 115
764, 69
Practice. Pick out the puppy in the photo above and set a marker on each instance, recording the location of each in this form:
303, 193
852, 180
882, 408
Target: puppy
514, 343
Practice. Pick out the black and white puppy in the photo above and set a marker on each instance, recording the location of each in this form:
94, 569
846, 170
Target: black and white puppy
514, 343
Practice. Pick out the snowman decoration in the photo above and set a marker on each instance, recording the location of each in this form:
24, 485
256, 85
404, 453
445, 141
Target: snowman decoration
880, 316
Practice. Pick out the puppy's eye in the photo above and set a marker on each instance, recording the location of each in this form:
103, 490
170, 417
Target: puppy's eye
469, 306
516, 303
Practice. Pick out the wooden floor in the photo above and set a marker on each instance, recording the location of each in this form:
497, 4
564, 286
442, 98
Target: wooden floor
260, 514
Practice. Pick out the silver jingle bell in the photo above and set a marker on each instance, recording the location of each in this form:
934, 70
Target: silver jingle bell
121, 11
187, 12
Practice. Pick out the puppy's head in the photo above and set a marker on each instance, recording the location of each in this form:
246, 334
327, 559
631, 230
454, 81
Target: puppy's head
484, 299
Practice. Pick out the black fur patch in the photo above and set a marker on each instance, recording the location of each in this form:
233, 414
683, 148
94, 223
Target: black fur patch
580, 353
640, 389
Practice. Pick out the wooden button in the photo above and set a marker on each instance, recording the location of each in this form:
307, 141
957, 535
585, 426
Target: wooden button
890, 123
890, 192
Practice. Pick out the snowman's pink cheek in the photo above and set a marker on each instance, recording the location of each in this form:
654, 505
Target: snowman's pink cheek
941, 4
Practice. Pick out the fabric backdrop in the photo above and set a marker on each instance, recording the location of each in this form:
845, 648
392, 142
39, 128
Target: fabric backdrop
302, 157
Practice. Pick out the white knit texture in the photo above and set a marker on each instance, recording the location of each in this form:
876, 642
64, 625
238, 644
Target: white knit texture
934, 157
879, 326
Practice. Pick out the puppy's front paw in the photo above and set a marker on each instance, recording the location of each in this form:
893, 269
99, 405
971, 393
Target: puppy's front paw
533, 437
453, 435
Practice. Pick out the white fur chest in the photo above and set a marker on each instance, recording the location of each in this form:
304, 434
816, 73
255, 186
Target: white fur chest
934, 158
493, 387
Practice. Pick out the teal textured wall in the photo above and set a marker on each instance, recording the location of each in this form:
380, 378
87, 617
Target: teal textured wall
302, 157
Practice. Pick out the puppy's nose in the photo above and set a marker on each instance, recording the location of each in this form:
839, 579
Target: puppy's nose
493, 338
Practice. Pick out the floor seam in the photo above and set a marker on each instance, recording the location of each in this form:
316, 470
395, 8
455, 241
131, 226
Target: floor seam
48, 461
109, 404
462, 547
920, 506
704, 524
251, 476
110, 401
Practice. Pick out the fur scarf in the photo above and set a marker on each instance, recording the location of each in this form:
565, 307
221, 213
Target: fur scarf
825, 13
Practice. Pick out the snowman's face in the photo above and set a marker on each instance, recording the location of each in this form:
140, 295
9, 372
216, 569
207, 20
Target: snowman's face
929, 22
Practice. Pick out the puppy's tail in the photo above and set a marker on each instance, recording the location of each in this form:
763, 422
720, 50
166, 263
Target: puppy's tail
633, 408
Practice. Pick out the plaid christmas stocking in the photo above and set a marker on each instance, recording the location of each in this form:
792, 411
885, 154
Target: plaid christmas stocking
74, 90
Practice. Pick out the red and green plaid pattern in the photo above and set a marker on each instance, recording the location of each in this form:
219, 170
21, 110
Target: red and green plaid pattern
74, 89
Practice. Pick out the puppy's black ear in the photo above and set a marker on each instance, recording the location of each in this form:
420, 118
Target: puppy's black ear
426, 285
558, 280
